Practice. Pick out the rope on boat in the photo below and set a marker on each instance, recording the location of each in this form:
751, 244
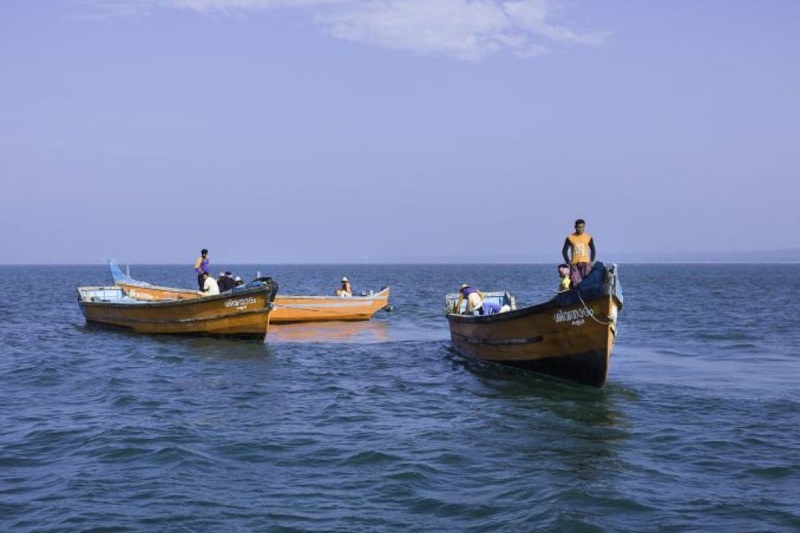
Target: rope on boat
590, 312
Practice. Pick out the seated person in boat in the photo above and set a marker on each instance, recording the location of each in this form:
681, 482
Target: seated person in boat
210, 286
563, 274
345, 291
475, 302
225, 281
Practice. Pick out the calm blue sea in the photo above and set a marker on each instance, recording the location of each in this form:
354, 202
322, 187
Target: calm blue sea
381, 427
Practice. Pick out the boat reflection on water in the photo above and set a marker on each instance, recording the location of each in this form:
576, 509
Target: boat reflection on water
344, 332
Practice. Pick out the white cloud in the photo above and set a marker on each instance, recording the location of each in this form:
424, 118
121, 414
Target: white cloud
464, 29
98, 9
534, 14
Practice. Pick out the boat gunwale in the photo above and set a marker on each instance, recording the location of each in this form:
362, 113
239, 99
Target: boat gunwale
376, 296
136, 303
585, 296
144, 285
522, 311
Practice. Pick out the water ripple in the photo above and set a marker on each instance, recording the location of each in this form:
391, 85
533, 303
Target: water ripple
389, 430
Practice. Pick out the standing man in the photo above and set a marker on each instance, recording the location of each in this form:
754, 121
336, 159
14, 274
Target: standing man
579, 252
201, 267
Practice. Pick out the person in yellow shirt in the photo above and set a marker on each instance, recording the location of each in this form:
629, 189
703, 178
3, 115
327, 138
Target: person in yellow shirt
474, 299
475, 303
563, 274
579, 252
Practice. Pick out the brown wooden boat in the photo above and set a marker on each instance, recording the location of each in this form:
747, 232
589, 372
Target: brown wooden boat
243, 314
289, 309
570, 336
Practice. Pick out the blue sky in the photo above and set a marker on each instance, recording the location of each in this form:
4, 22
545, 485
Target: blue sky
275, 131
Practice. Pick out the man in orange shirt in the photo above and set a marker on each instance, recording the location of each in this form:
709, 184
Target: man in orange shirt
579, 252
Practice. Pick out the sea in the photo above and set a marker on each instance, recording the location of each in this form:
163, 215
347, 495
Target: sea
381, 427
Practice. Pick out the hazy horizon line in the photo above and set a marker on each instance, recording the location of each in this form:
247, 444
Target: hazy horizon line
414, 263
782, 256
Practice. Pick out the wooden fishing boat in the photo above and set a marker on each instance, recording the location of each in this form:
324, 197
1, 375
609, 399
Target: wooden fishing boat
289, 309
245, 313
292, 309
570, 336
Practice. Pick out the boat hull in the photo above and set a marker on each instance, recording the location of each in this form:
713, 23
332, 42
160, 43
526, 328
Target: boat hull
245, 314
570, 337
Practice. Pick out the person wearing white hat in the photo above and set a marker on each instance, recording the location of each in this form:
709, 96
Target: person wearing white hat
345, 291
225, 281
474, 299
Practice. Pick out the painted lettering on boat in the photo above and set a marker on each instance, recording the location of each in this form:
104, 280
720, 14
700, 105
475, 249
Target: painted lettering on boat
576, 316
240, 303
141, 295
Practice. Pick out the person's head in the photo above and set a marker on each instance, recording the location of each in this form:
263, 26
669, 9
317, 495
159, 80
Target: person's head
204, 274
563, 270
580, 226
344, 279
238, 280
229, 274
221, 275
204, 252
463, 286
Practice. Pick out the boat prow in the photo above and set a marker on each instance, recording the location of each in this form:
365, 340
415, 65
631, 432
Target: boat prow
141, 290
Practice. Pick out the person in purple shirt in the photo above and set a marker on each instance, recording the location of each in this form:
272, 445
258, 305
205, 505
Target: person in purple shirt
201, 267
475, 303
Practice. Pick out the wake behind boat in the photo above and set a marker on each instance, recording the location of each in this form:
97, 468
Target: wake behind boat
569, 336
289, 309
245, 313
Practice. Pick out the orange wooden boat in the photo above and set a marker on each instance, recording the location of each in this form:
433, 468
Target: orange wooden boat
243, 314
570, 336
363, 332
289, 309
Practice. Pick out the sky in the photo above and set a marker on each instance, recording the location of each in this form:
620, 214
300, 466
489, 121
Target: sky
383, 131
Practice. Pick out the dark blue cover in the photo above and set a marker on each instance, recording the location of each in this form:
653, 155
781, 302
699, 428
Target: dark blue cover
595, 285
